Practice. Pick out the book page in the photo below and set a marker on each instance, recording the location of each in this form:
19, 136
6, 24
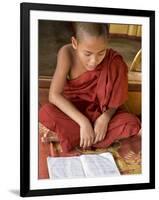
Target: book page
65, 167
99, 165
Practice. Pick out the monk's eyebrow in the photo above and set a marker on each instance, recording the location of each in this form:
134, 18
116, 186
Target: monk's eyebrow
101, 51
92, 52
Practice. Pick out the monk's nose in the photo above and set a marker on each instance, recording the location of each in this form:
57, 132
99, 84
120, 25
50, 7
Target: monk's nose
93, 61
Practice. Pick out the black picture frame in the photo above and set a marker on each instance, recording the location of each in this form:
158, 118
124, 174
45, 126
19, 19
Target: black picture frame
25, 9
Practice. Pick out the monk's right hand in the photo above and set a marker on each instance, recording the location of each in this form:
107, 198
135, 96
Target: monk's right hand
86, 134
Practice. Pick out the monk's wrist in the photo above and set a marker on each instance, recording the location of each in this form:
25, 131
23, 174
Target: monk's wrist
84, 120
108, 114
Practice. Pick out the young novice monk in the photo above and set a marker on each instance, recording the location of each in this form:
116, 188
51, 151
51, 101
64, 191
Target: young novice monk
87, 92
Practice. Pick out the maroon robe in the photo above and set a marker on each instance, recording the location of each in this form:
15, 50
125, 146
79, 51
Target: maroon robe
92, 93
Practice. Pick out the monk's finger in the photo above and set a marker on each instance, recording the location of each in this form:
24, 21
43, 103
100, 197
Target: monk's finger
100, 135
96, 131
92, 140
81, 142
84, 146
89, 143
96, 139
100, 138
103, 136
84, 143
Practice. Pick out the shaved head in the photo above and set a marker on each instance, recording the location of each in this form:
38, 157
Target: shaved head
88, 28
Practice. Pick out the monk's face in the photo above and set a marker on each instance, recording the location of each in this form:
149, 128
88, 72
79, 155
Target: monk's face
90, 51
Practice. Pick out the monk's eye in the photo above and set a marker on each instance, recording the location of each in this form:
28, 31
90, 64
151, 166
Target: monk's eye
101, 54
87, 54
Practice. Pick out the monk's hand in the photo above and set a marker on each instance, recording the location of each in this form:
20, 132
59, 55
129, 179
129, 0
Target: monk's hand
86, 134
100, 128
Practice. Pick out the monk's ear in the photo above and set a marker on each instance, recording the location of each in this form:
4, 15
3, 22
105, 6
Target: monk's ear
74, 42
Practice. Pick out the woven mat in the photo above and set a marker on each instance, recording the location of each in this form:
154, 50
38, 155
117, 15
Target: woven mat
127, 154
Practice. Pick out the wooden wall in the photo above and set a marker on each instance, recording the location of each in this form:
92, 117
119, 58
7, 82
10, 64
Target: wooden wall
126, 29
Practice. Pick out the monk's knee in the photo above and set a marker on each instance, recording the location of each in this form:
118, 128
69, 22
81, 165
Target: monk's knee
132, 127
46, 116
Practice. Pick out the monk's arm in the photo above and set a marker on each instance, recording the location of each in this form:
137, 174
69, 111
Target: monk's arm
56, 97
68, 108
56, 89
109, 113
101, 124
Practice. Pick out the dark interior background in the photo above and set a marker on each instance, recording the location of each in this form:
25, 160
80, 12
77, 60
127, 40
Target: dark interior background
54, 34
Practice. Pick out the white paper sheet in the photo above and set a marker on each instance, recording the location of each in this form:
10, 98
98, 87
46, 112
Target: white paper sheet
65, 167
96, 165
99, 165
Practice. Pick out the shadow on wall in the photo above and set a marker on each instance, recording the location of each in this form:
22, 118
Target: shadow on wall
52, 36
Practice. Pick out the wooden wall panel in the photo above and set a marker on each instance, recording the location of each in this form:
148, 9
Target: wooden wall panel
134, 102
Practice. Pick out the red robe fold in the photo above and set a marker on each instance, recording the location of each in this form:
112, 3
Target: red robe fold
92, 93
105, 87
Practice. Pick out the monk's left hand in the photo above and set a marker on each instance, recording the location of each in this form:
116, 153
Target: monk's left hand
100, 128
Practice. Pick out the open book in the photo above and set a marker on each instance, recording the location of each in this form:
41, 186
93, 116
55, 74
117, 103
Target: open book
93, 165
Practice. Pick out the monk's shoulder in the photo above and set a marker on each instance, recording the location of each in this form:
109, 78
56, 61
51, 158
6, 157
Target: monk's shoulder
112, 54
66, 51
116, 60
